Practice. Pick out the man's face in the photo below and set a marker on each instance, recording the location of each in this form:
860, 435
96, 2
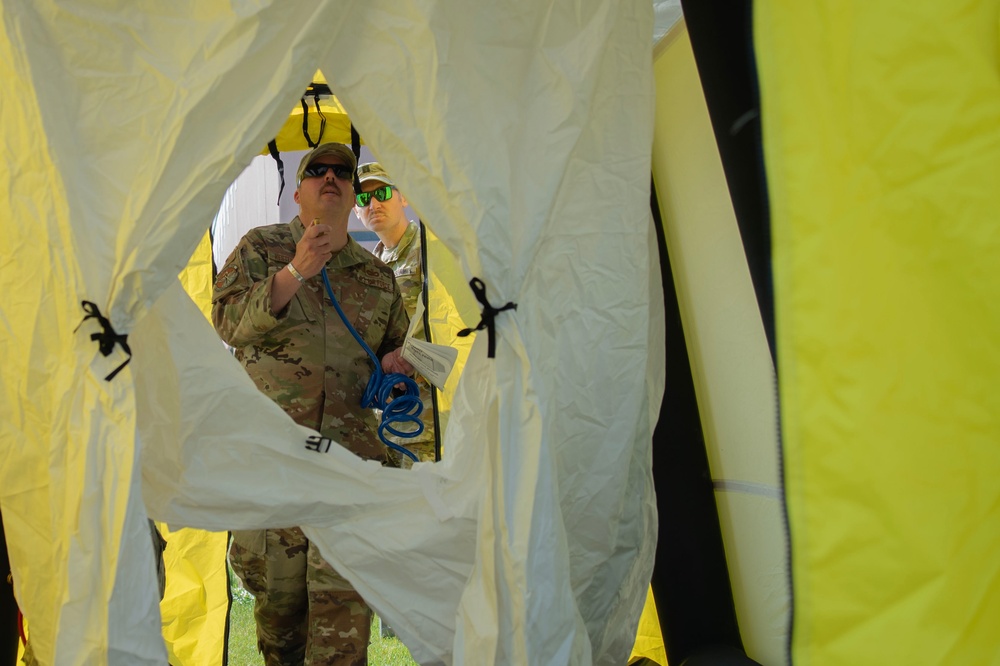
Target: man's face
327, 194
382, 217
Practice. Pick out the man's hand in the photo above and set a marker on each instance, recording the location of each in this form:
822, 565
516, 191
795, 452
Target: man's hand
313, 250
394, 362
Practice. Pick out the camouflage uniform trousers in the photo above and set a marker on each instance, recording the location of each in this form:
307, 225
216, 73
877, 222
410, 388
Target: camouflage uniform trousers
424, 451
422, 446
306, 613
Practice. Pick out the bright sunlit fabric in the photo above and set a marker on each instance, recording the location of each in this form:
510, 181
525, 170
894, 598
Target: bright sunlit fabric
451, 308
881, 125
195, 604
520, 132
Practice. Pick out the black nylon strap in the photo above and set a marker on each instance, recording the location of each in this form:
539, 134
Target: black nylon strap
107, 338
305, 123
355, 141
322, 119
489, 315
272, 147
356, 148
425, 298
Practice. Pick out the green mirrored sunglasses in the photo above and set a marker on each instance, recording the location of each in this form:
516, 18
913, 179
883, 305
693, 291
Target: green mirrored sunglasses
383, 193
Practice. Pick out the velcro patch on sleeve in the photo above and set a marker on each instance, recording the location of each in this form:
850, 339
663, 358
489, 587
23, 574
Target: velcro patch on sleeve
226, 277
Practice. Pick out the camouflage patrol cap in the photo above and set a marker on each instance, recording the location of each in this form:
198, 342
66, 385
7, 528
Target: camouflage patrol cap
374, 171
326, 150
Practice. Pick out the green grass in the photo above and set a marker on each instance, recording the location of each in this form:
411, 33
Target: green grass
242, 635
388, 651
243, 638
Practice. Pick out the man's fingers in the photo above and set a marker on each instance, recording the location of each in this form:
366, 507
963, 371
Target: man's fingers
322, 245
394, 362
317, 230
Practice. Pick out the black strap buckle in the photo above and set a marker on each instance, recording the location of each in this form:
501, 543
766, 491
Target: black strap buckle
488, 320
107, 338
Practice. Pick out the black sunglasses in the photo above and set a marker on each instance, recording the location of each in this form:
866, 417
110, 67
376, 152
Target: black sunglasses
339, 170
381, 193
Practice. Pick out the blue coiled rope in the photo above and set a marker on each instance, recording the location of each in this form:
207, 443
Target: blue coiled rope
405, 408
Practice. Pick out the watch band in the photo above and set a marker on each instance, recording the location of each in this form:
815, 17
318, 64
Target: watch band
295, 273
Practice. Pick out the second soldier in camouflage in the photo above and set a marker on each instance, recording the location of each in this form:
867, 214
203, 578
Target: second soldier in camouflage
399, 247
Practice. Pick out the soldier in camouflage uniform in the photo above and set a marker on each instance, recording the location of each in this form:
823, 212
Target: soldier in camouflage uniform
399, 248
270, 305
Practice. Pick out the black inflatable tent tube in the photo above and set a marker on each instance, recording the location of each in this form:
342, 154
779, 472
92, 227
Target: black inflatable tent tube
8, 607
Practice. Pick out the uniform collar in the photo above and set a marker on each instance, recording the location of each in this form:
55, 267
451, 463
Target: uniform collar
401, 246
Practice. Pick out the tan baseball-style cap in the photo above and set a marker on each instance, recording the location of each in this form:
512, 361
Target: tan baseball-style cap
326, 150
374, 171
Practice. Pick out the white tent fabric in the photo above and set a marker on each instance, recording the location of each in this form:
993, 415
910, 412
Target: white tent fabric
667, 14
522, 130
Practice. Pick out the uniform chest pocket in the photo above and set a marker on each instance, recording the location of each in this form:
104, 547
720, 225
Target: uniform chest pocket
306, 304
368, 310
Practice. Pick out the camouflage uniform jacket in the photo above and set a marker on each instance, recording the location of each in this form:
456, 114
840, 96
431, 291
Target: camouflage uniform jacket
304, 358
406, 262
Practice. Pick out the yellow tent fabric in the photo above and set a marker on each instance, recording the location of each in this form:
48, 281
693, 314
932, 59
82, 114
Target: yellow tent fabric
649, 638
196, 278
327, 123
533, 541
451, 307
195, 604
881, 125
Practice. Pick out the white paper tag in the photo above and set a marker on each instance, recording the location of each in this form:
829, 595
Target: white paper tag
434, 362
